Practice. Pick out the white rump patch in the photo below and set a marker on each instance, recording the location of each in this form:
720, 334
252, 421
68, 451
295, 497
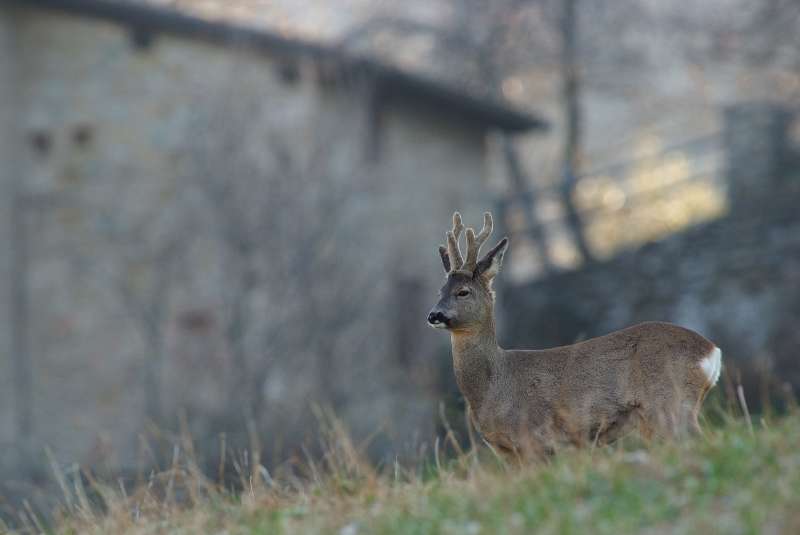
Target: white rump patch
712, 365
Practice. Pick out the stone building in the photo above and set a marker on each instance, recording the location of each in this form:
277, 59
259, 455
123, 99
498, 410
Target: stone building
122, 130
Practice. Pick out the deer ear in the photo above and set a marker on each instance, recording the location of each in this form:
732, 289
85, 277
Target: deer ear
489, 266
445, 258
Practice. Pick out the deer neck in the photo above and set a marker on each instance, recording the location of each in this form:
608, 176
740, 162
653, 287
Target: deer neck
474, 353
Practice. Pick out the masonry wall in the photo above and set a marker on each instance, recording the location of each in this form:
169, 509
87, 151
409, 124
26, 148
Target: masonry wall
104, 123
108, 124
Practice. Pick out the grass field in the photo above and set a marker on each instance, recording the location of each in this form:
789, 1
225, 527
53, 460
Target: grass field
741, 477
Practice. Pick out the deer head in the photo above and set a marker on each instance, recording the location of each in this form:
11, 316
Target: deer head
466, 301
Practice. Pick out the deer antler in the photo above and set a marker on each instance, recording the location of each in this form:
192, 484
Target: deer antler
456, 260
474, 242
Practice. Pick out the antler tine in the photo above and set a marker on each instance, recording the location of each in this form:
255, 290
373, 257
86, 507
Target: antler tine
474, 243
445, 257
488, 226
458, 226
456, 260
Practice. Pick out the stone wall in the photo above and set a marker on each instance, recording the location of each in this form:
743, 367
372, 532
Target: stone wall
112, 130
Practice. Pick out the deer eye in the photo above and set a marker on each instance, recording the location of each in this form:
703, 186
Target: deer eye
462, 292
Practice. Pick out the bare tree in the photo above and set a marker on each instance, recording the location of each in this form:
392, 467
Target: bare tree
282, 198
143, 252
142, 279
485, 44
479, 38
573, 122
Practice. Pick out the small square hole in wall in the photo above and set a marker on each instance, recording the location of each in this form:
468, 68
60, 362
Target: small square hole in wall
196, 321
82, 135
141, 39
289, 72
41, 141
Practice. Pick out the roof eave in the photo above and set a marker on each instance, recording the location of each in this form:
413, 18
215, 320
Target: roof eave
141, 17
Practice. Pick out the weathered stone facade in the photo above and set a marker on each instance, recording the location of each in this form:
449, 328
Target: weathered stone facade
108, 126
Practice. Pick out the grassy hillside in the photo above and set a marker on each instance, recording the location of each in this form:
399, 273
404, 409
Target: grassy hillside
737, 479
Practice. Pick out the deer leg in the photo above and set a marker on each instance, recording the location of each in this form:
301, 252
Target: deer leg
694, 424
688, 423
618, 427
694, 416
663, 421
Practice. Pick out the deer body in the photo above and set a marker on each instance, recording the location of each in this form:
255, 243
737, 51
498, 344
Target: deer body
652, 376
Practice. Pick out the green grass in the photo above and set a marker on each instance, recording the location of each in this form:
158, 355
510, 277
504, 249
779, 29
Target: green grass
733, 480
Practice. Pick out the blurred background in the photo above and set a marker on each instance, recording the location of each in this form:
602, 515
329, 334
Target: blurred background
218, 215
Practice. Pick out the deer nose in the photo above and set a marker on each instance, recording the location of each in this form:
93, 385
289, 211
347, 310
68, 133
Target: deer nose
436, 317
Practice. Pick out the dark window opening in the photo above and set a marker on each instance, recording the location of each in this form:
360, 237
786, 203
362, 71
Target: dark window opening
82, 135
141, 39
42, 142
289, 72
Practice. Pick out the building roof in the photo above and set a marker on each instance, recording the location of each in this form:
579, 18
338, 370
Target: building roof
149, 19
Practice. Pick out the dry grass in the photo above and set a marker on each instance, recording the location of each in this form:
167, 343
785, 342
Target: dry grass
742, 477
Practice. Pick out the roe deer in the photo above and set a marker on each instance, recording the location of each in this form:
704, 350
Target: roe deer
653, 376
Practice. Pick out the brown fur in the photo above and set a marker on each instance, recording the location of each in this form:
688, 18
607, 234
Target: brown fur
528, 402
